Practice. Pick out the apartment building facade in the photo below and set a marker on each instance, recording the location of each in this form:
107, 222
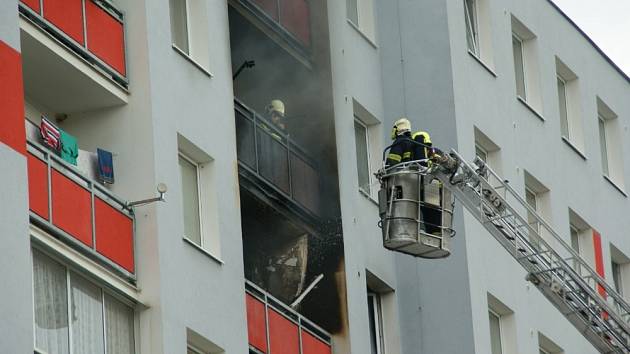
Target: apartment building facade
266, 239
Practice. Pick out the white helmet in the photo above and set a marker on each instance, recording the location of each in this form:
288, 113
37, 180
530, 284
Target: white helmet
402, 125
276, 106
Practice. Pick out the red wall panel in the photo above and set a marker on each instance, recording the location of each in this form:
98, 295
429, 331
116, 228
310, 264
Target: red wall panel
67, 15
33, 4
105, 36
256, 325
12, 130
296, 18
312, 345
71, 208
283, 335
114, 234
268, 6
37, 186
599, 259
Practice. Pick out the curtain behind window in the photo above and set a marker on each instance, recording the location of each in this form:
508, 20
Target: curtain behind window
118, 327
87, 317
50, 305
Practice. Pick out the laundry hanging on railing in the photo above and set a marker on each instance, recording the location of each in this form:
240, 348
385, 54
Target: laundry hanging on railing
51, 135
69, 148
105, 166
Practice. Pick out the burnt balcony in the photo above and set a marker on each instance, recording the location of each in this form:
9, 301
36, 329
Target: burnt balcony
274, 327
273, 162
290, 20
79, 211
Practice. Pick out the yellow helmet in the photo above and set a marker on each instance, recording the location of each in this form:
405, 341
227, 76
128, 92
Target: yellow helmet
425, 136
401, 126
276, 106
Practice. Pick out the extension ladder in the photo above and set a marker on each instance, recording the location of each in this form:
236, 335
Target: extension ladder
559, 272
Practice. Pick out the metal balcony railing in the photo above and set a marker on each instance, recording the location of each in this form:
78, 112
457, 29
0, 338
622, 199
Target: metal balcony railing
271, 324
272, 155
93, 29
80, 212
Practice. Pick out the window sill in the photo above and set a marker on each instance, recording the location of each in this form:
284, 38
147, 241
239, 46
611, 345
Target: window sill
192, 61
574, 148
202, 250
530, 108
615, 185
485, 66
368, 39
367, 196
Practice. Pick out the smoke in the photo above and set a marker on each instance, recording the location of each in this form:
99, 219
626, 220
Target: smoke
304, 84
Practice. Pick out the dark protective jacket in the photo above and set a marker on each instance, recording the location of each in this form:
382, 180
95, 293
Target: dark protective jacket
421, 152
401, 150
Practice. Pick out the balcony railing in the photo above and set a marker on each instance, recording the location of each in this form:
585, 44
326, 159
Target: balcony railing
80, 212
273, 327
272, 155
93, 29
290, 18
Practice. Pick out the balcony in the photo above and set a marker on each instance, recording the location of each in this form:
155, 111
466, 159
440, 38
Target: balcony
79, 211
289, 19
271, 156
273, 327
73, 52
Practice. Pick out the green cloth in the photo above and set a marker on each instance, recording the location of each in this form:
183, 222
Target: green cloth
69, 148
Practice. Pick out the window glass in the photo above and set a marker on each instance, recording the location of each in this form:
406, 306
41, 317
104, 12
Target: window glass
616, 271
50, 305
179, 24
575, 239
495, 333
481, 153
562, 101
603, 144
118, 326
352, 11
87, 316
374, 314
530, 198
190, 199
519, 68
363, 168
470, 12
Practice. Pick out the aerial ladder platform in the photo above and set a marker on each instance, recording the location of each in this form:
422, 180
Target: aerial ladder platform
416, 208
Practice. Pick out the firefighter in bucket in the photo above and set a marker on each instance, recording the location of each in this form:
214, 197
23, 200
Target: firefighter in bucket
416, 211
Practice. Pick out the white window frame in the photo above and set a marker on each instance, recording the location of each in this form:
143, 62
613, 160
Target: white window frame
523, 72
194, 349
501, 330
472, 26
199, 202
603, 145
543, 350
357, 120
186, 51
378, 318
480, 148
104, 290
564, 117
617, 276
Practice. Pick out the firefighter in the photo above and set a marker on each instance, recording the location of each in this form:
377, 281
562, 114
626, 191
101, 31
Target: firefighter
402, 148
275, 110
430, 194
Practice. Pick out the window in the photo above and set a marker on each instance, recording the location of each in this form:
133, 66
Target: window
610, 142
73, 315
519, 66
190, 32
532, 200
199, 198
481, 153
190, 199
547, 346
363, 159
562, 104
193, 350
526, 67
537, 197
582, 242
575, 238
619, 267
569, 107
376, 323
361, 14
472, 30
496, 344
616, 271
368, 142
198, 344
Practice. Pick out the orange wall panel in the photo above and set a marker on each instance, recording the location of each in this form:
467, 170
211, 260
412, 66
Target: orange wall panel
256, 325
599, 259
67, 15
71, 208
33, 4
312, 345
12, 130
114, 234
283, 335
37, 186
105, 36
296, 18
